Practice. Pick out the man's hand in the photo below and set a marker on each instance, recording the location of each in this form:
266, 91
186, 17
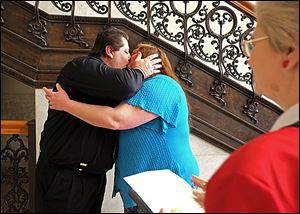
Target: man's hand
57, 100
148, 66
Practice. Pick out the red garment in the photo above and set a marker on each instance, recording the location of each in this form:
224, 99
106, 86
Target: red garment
261, 176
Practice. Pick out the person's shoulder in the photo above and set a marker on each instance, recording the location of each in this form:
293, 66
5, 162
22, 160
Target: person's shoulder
286, 134
164, 79
163, 85
78, 59
87, 62
86, 59
271, 143
263, 152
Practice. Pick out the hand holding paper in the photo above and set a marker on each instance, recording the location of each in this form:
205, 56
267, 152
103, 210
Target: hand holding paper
199, 193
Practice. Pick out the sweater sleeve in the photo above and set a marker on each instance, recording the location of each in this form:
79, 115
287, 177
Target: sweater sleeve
162, 96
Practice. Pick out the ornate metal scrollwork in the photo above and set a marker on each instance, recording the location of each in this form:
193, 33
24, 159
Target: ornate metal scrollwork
229, 53
161, 11
162, 19
210, 33
124, 8
221, 31
251, 108
233, 55
73, 31
38, 28
97, 7
183, 71
197, 37
16, 199
218, 91
63, 6
215, 16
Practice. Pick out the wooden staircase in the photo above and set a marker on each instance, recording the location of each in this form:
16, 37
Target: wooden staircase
25, 57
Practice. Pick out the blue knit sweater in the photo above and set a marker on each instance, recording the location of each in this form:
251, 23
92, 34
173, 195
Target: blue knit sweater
162, 143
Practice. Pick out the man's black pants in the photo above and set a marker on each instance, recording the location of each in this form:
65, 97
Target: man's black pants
64, 190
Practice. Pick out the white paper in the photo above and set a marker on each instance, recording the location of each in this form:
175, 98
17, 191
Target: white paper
164, 189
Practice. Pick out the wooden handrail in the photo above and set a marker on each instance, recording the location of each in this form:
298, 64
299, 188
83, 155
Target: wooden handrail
14, 127
246, 6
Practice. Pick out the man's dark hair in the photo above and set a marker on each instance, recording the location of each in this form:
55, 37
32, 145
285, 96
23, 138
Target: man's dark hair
111, 36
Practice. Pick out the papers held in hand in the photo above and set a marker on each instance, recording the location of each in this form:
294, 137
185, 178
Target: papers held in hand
162, 189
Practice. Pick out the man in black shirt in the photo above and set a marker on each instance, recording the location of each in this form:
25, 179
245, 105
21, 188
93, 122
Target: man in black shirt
75, 156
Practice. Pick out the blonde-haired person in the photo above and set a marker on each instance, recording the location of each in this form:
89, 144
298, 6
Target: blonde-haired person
154, 124
263, 175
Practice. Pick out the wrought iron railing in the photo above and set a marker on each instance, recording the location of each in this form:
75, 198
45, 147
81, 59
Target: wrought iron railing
207, 31
17, 177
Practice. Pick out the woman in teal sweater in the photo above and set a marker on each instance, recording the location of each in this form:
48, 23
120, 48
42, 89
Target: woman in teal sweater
155, 124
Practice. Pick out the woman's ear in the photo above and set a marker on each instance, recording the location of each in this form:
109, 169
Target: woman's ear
291, 59
109, 51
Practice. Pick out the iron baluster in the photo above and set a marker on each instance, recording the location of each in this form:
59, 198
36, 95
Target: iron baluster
38, 28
